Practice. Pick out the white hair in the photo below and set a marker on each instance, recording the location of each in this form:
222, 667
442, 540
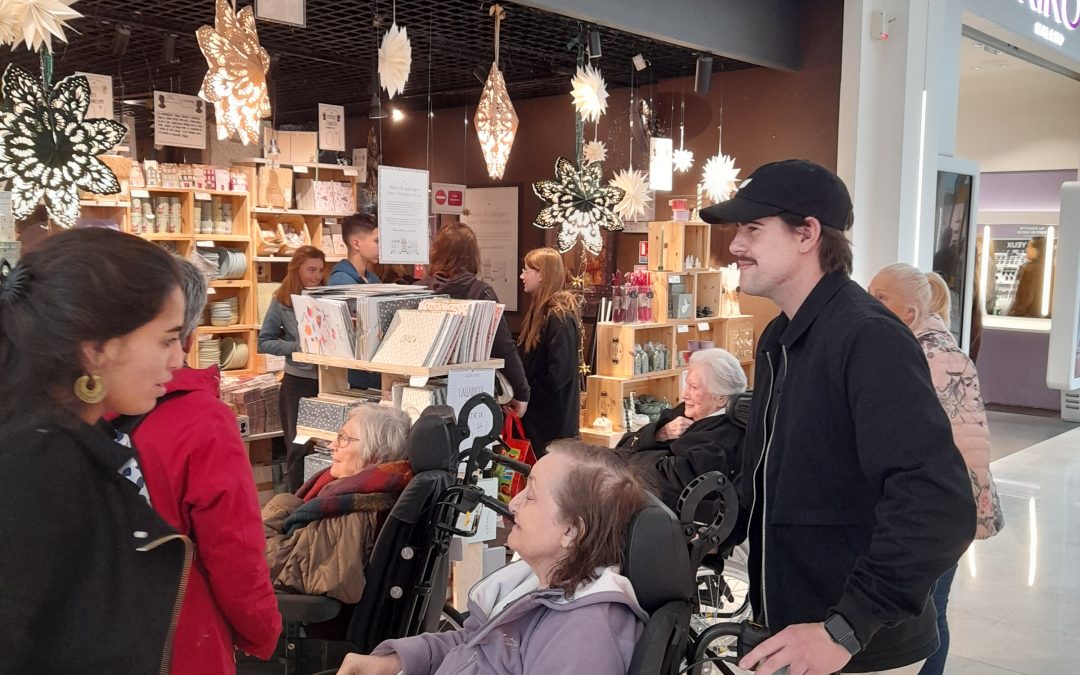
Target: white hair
721, 373
382, 431
925, 292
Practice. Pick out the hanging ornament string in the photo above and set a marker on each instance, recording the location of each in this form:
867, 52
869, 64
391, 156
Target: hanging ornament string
499, 14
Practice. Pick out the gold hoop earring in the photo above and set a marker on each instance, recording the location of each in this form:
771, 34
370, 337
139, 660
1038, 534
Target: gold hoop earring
90, 389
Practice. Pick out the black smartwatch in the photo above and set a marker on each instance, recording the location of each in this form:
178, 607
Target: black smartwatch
842, 633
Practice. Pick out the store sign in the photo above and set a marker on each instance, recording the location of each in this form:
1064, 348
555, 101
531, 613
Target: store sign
101, 95
1063, 14
331, 127
179, 120
447, 198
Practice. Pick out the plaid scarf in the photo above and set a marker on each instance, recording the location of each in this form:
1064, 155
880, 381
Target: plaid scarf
375, 489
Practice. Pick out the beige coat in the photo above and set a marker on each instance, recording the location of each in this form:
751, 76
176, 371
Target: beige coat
957, 385
324, 557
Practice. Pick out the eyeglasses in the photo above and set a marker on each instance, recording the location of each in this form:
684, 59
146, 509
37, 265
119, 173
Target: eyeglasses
343, 439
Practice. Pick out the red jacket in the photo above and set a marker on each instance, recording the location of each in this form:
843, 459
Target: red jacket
199, 477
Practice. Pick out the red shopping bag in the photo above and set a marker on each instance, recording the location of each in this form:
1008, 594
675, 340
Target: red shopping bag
513, 434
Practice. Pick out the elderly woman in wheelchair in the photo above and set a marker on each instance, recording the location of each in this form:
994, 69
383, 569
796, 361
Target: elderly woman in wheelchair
564, 607
319, 539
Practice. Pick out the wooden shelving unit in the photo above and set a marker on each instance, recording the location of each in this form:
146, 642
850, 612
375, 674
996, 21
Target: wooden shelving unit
669, 245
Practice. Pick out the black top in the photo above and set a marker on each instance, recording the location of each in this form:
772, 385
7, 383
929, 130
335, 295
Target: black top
466, 286
552, 369
78, 594
859, 498
709, 444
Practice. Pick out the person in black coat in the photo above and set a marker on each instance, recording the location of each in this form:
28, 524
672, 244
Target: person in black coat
549, 341
696, 436
1029, 281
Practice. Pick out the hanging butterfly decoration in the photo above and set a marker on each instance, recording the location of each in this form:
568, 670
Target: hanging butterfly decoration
47, 146
578, 203
236, 80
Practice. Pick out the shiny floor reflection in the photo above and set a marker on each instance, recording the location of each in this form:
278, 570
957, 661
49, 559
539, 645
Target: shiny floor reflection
1015, 604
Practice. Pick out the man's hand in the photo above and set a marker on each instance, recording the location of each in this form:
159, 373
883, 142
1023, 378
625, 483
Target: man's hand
358, 664
674, 429
516, 407
806, 648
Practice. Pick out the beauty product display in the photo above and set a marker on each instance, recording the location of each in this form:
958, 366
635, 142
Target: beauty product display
631, 301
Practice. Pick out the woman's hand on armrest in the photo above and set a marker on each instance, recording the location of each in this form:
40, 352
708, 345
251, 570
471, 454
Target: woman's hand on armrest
359, 664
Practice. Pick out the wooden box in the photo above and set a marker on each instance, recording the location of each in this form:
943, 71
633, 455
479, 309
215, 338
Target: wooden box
615, 345
605, 394
670, 243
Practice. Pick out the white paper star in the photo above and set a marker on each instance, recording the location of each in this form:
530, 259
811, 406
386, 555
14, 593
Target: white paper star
590, 93
682, 160
720, 177
578, 203
395, 60
635, 186
594, 151
35, 22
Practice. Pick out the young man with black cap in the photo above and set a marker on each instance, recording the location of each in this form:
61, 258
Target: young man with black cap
856, 498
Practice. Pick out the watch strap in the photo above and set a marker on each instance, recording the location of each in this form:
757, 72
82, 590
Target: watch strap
842, 633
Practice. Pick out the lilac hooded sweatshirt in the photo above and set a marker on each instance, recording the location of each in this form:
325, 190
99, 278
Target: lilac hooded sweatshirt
541, 632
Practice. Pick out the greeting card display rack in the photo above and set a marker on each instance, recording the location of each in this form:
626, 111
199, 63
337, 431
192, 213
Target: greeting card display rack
334, 377
185, 237
678, 258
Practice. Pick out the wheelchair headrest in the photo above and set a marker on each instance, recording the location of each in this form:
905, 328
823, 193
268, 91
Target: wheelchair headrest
432, 443
738, 408
657, 560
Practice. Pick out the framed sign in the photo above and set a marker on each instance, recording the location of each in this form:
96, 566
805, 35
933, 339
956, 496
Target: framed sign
492, 213
954, 241
290, 12
179, 120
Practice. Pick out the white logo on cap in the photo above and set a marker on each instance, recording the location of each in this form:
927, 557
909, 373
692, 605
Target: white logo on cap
745, 183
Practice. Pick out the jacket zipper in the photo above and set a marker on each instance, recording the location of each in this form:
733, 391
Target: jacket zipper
763, 464
166, 654
753, 501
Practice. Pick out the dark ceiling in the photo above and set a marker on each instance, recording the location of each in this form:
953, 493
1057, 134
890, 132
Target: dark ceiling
332, 59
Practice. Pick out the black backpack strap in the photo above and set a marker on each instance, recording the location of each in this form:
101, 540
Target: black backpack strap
129, 423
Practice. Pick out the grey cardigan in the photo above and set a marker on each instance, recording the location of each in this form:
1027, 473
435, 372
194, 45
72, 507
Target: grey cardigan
279, 336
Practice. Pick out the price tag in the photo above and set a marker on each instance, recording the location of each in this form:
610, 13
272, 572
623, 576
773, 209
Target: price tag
417, 380
301, 440
703, 326
682, 328
675, 279
202, 196
299, 169
140, 194
349, 172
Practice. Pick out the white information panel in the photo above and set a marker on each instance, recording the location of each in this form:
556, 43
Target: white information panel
179, 120
101, 96
331, 127
1063, 360
660, 168
403, 216
492, 213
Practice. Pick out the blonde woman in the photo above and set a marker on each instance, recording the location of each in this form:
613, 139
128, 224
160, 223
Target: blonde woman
549, 341
921, 301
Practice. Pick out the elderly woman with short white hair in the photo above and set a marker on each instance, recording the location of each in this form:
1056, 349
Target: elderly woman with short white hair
320, 538
696, 436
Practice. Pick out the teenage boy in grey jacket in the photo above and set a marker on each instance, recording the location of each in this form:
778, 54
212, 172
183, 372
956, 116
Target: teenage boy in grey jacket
856, 496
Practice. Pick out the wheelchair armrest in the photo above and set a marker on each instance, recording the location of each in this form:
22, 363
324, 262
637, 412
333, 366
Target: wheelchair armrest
297, 608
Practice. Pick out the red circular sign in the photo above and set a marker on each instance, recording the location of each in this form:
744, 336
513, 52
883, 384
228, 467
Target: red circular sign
440, 197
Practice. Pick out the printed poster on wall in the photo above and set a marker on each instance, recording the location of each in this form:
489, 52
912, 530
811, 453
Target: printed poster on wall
179, 120
359, 160
7, 220
492, 213
331, 127
660, 164
403, 215
447, 198
101, 96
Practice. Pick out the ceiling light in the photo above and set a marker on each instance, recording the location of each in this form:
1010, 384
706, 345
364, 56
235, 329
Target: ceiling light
594, 45
703, 75
121, 37
168, 49
397, 115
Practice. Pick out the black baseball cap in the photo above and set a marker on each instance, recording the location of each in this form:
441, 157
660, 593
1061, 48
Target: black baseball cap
797, 186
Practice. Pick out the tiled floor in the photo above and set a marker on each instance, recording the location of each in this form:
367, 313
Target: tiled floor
1015, 604
1011, 432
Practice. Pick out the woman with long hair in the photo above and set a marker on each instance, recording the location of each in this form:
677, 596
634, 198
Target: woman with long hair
549, 342
279, 336
92, 577
455, 262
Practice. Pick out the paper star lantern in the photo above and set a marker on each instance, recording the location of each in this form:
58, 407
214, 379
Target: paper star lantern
682, 160
635, 187
578, 203
34, 22
48, 148
236, 81
395, 60
720, 177
594, 151
590, 93
496, 123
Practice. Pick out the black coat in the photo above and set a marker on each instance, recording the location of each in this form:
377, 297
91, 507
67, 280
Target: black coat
859, 498
466, 286
91, 577
709, 444
552, 369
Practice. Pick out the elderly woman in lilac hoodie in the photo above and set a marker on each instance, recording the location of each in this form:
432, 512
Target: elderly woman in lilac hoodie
564, 607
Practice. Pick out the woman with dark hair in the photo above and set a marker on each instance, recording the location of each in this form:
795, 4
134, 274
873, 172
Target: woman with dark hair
455, 262
280, 336
1029, 281
564, 607
549, 341
93, 578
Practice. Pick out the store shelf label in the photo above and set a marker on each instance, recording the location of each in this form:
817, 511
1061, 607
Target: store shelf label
349, 172
417, 380
141, 194
299, 169
703, 326
682, 328
202, 196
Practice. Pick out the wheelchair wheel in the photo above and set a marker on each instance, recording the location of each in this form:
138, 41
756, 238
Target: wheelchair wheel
451, 619
722, 597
